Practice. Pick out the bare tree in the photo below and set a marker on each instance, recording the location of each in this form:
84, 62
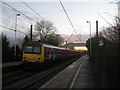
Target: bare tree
111, 33
55, 39
43, 29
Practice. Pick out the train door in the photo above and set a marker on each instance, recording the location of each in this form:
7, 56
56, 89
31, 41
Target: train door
53, 54
47, 54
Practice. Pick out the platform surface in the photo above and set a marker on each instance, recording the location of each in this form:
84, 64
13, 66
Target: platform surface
80, 74
86, 76
11, 64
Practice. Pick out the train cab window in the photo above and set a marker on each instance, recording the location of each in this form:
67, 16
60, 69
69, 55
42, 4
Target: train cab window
33, 50
28, 50
36, 50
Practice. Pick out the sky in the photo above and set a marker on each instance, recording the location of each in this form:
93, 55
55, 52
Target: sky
79, 11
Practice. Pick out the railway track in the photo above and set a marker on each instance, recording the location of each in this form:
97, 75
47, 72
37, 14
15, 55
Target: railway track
7, 70
38, 79
8, 80
10, 74
44, 77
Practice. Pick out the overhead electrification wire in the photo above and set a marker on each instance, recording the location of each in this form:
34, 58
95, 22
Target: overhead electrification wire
20, 12
15, 23
12, 29
69, 37
69, 21
104, 19
32, 9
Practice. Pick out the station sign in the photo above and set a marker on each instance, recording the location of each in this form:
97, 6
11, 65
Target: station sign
101, 43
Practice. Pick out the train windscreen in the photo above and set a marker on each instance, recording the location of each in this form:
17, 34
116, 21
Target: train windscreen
32, 50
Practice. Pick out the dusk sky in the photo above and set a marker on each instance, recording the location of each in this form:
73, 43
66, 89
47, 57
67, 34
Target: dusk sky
79, 12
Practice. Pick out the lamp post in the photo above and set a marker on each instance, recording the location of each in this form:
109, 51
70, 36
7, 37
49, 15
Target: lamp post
15, 34
90, 36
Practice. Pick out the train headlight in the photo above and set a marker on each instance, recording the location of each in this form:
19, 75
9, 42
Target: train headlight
36, 58
25, 57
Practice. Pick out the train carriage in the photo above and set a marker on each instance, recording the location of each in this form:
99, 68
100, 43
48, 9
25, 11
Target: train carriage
37, 52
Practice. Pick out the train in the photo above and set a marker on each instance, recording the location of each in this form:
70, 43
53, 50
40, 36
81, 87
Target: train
40, 53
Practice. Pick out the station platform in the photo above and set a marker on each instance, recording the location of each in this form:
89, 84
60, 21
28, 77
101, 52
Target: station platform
9, 64
80, 74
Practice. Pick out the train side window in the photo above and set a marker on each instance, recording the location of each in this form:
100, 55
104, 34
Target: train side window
47, 52
59, 52
51, 52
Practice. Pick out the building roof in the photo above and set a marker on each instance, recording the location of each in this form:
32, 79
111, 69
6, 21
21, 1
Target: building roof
74, 44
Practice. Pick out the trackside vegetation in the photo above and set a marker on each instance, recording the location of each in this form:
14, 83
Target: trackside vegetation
105, 56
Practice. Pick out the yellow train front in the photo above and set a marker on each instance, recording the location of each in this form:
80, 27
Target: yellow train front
36, 53
33, 53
